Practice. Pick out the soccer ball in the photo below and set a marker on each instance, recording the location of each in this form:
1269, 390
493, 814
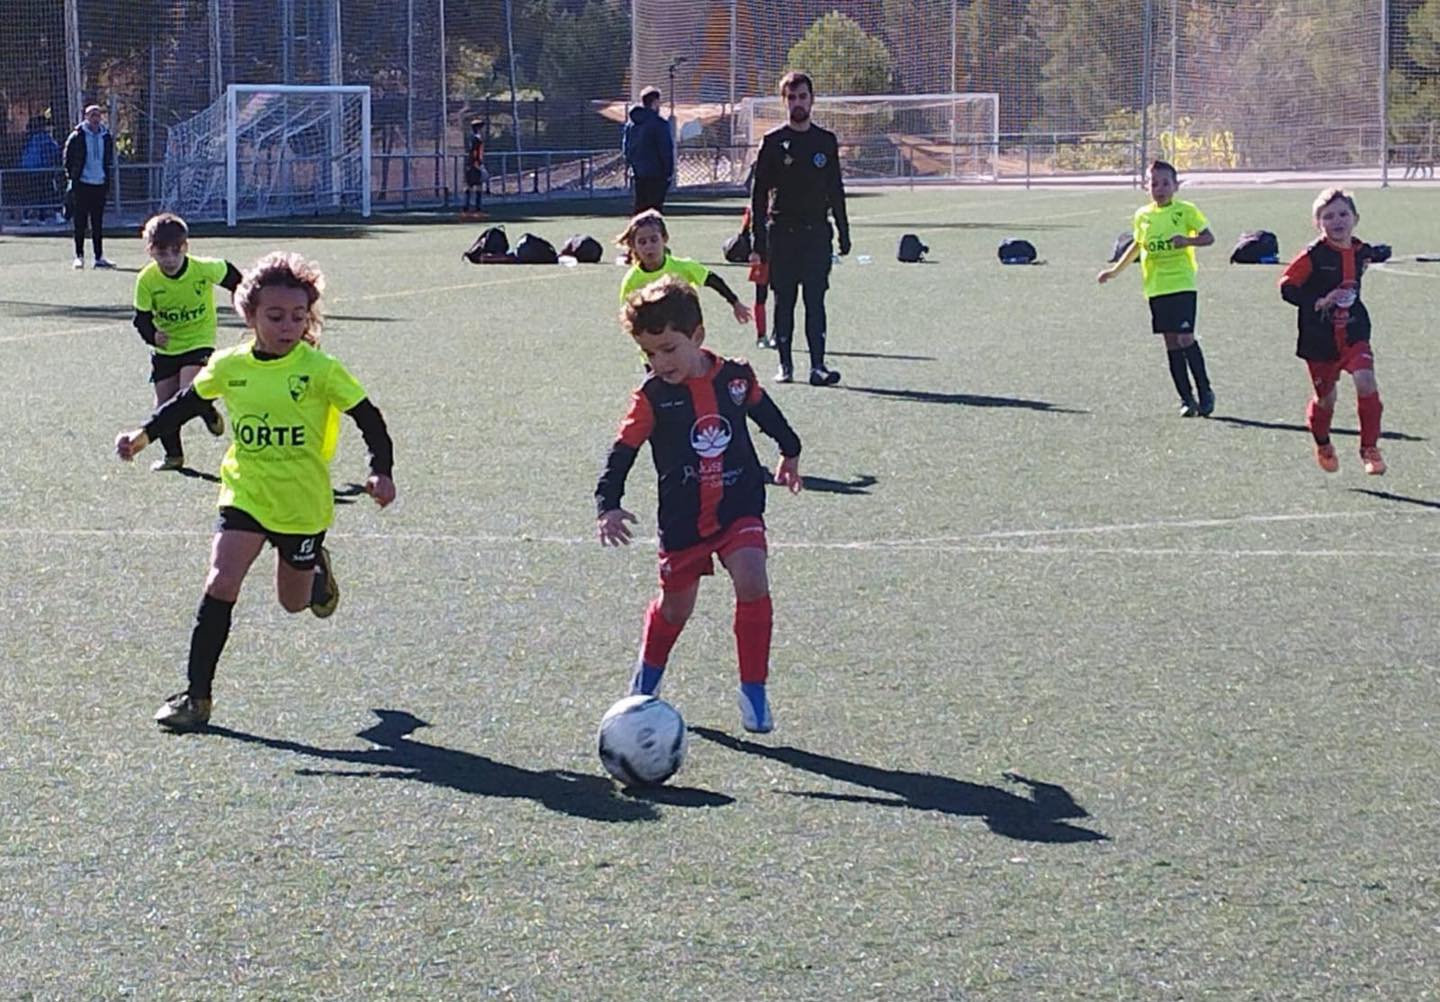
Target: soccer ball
642, 740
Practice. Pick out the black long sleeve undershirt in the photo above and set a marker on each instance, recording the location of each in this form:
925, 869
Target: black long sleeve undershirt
188, 404
714, 281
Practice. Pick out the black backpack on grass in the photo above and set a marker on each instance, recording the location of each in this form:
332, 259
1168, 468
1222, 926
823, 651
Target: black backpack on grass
583, 248
1013, 250
911, 250
535, 250
1122, 245
737, 249
1259, 247
490, 243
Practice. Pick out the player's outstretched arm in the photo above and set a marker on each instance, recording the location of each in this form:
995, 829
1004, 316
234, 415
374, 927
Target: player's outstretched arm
1125, 260
611, 527
371, 422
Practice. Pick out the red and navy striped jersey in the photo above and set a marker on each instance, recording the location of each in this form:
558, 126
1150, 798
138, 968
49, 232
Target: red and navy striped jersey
1315, 272
699, 439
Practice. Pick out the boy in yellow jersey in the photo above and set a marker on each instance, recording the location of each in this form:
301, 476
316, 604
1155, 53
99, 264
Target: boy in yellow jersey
1165, 234
175, 315
647, 239
284, 396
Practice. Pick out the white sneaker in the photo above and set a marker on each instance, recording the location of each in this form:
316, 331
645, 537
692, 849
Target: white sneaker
78, 264
101, 262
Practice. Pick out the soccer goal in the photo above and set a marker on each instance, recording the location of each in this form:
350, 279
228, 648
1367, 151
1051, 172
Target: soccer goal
272, 150
888, 137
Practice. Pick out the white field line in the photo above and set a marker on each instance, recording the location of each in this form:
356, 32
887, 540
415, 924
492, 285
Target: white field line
975, 543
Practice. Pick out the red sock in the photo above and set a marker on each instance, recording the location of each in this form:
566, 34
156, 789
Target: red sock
759, 312
1318, 418
753, 621
660, 636
1368, 407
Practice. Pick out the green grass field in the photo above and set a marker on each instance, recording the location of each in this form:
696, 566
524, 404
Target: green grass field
1075, 699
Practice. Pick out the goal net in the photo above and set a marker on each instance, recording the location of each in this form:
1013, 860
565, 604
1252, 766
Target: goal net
895, 136
271, 150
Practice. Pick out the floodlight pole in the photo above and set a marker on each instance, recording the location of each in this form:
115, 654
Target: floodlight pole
1384, 93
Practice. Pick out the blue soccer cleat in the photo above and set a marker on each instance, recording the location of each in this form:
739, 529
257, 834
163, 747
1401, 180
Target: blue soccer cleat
755, 714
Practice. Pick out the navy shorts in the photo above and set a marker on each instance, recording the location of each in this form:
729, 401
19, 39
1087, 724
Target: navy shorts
1173, 313
300, 552
165, 366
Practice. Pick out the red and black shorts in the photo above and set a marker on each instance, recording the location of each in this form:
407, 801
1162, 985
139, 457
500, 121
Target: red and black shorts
1354, 358
681, 569
299, 551
1173, 313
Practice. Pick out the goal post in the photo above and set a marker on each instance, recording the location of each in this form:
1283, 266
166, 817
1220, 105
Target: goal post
896, 136
264, 150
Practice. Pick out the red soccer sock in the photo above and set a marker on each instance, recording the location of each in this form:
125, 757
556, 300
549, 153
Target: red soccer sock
759, 312
753, 622
1318, 418
1369, 408
660, 636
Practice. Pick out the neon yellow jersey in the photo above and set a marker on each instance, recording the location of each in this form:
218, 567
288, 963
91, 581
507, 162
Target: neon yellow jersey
1165, 269
184, 306
285, 422
687, 268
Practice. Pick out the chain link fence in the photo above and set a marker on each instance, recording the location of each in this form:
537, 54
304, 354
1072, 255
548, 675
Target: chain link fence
1085, 87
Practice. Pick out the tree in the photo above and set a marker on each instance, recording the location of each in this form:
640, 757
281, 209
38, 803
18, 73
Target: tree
842, 58
586, 53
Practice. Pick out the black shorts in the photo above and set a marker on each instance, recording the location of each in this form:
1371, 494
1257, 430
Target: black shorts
165, 366
300, 552
474, 177
1173, 313
800, 255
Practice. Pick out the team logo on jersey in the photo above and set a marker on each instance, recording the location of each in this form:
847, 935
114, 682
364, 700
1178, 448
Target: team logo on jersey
199, 286
738, 388
820, 160
299, 386
710, 436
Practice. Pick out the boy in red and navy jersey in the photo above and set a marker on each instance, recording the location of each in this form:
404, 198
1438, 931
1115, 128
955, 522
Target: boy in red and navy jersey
692, 408
1323, 283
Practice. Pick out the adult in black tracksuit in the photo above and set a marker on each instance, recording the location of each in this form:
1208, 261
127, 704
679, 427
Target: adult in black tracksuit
89, 171
797, 185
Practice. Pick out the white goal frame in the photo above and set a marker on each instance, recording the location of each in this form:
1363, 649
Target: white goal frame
232, 165
775, 107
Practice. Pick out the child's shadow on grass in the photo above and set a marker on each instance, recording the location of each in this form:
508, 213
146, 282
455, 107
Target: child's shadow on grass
964, 399
1036, 818
1392, 436
398, 756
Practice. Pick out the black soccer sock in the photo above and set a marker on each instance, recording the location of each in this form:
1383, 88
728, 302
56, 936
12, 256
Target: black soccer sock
1196, 358
209, 415
172, 445
207, 640
1179, 375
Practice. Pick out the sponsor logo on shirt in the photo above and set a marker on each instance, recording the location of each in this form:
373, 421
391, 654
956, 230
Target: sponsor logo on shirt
181, 316
710, 436
254, 433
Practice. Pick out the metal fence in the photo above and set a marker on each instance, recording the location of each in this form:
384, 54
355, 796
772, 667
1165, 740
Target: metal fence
1084, 87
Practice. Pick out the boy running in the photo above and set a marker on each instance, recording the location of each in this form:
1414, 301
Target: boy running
1166, 233
692, 408
1323, 284
175, 315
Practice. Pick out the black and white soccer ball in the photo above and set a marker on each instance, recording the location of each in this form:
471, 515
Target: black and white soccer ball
642, 741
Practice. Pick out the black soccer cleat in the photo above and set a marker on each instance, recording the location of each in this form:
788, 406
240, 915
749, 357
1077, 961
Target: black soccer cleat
821, 376
1207, 403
